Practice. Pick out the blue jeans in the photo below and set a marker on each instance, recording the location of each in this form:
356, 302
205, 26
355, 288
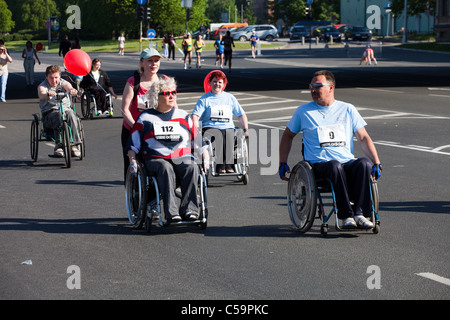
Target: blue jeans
4, 80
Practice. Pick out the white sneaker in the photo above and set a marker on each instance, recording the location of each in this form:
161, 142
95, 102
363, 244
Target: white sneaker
363, 222
99, 112
58, 152
76, 152
349, 223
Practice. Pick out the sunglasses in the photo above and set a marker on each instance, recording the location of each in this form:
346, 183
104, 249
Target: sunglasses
168, 93
318, 85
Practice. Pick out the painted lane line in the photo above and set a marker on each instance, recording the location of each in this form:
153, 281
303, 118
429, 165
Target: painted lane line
397, 145
441, 89
439, 95
2, 127
434, 277
380, 90
442, 147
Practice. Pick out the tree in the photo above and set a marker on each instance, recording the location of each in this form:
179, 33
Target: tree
34, 13
415, 7
292, 11
6, 22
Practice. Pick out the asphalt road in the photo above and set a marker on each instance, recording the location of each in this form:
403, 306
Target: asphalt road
58, 218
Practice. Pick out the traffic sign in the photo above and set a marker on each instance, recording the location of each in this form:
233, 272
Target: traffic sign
151, 33
141, 2
309, 2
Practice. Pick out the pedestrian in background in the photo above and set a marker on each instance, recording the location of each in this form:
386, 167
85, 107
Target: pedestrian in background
218, 44
171, 47
28, 55
228, 43
64, 46
254, 41
76, 44
198, 46
121, 40
4, 59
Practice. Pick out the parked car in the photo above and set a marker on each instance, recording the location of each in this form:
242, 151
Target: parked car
264, 31
223, 29
297, 32
356, 33
326, 32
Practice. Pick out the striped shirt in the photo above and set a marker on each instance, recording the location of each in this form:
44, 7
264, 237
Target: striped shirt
167, 135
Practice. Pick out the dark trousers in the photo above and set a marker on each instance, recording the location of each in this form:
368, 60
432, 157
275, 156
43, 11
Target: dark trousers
351, 182
171, 52
100, 99
224, 142
126, 161
166, 173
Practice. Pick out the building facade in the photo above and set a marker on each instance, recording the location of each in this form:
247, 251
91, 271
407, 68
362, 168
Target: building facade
374, 12
443, 20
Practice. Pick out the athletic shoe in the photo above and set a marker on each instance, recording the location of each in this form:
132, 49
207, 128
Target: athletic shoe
349, 223
76, 152
363, 222
191, 216
176, 218
58, 151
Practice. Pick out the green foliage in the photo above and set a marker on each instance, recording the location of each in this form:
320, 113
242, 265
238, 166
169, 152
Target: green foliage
6, 22
415, 7
292, 11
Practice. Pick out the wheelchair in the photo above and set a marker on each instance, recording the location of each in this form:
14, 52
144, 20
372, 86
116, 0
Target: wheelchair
39, 132
143, 201
89, 105
305, 196
240, 152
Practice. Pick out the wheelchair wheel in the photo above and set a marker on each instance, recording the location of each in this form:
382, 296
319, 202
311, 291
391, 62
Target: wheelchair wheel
375, 204
203, 203
302, 196
242, 162
109, 105
81, 135
136, 197
65, 138
86, 105
34, 138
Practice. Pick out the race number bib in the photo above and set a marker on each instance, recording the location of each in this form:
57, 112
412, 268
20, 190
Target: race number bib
142, 102
221, 113
167, 131
331, 136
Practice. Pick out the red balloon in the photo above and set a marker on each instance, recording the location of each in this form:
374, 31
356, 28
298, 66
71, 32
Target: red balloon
78, 62
39, 46
206, 84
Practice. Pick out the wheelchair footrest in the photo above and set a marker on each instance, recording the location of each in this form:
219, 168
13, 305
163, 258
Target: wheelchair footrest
183, 222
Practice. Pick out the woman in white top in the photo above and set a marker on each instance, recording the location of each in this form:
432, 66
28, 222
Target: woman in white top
4, 59
28, 55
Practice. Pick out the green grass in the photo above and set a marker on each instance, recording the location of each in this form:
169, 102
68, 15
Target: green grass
131, 45
431, 46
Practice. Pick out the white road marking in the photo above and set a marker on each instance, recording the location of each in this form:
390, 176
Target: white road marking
434, 277
380, 90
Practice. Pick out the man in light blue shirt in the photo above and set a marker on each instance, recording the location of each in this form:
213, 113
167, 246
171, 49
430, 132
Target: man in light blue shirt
328, 126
